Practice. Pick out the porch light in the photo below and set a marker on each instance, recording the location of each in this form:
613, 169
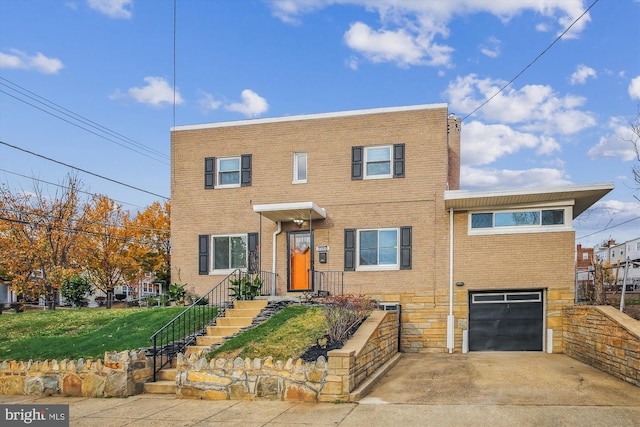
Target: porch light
299, 222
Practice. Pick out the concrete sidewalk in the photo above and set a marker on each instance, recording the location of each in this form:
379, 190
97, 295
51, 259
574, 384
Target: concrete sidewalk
478, 389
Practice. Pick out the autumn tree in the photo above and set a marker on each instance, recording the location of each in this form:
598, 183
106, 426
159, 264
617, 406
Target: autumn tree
151, 245
106, 250
38, 235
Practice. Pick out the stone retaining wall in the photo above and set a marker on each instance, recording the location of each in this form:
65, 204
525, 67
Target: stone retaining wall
375, 342
604, 338
119, 375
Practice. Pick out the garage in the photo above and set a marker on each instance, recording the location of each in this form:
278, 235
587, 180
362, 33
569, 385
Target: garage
506, 321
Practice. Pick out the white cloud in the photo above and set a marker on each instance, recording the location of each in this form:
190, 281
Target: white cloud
117, 9
535, 108
497, 179
208, 103
408, 28
20, 60
483, 144
252, 104
581, 74
618, 143
634, 88
156, 93
607, 219
491, 48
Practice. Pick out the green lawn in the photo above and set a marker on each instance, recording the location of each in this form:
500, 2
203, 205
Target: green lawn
71, 334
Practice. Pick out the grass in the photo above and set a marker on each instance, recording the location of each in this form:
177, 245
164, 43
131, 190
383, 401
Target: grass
72, 334
287, 334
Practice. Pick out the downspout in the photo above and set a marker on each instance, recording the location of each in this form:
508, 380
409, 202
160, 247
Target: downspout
273, 257
450, 319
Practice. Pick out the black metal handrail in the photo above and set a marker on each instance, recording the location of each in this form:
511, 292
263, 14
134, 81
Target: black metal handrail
328, 282
182, 331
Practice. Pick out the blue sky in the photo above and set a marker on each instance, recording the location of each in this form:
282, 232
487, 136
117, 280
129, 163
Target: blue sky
90, 83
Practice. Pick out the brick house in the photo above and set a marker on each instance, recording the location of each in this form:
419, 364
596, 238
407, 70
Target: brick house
368, 202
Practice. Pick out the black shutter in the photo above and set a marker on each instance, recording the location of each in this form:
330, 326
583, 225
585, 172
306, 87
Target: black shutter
203, 254
356, 163
405, 248
245, 170
349, 249
252, 262
209, 172
398, 160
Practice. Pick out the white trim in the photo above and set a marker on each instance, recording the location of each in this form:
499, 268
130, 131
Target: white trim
521, 229
219, 171
296, 167
212, 270
378, 267
311, 117
365, 162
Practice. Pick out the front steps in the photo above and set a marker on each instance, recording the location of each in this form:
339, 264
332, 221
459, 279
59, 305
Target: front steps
234, 320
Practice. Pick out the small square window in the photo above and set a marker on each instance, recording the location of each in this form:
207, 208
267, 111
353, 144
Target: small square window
229, 252
228, 172
378, 249
377, 162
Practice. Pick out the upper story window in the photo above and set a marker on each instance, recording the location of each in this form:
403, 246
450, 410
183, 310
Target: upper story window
376, 162
377, 249
227, 172
299, 168
585, 256
519, 221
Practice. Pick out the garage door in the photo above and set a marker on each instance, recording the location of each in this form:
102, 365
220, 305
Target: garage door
505, 321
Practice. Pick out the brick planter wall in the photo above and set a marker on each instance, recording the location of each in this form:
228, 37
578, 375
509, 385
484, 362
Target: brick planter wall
375, 342
119, 375
604, 338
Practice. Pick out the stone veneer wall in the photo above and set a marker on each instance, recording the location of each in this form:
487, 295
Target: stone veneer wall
604, 338
119, 375
375, 342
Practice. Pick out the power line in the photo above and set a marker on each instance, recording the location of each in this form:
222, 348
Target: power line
83, 170
98, 128
63, 186
531, 63
608, 228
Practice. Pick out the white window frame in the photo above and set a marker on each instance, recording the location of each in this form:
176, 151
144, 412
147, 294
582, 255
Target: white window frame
377, 267
300, 159
366, 162
212, 269
219, 171
518, 229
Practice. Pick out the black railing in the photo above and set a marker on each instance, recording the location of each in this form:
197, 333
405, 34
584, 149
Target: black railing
328, 282
183, 330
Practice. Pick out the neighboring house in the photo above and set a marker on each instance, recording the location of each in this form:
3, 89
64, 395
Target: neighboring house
371, 199
619, 254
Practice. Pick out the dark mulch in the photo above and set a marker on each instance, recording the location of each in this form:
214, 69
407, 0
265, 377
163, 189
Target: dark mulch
323, 347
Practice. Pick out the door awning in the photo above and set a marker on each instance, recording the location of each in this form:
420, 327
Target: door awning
287, 212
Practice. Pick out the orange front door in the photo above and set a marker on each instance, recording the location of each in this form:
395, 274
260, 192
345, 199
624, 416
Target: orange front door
299, 261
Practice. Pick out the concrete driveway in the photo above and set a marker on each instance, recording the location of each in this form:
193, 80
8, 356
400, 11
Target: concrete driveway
506, 378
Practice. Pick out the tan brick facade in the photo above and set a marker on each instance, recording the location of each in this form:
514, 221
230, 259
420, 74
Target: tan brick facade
431, 138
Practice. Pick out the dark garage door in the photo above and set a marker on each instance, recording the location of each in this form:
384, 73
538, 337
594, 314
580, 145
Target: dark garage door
505, 321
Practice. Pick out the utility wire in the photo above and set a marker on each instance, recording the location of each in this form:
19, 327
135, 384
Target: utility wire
608, 228
64, 187
531, 63
96, 133
83, 170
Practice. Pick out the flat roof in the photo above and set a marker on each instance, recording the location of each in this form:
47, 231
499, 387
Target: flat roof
582, 196
310, 117
287, 212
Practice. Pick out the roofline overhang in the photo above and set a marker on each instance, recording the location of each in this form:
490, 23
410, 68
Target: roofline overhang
310, 117
581, 196
287, 212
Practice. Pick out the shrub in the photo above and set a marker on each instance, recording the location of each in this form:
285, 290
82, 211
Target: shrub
343, 312
76, 289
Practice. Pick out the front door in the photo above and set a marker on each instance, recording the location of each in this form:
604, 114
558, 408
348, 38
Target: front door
299, 249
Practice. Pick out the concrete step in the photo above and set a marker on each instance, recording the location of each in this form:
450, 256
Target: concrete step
167, 374
208, 340
242, 312
195, 349
222, 331
256, 303
161, 387
234, 321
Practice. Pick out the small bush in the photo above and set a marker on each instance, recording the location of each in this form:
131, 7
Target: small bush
343, 312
